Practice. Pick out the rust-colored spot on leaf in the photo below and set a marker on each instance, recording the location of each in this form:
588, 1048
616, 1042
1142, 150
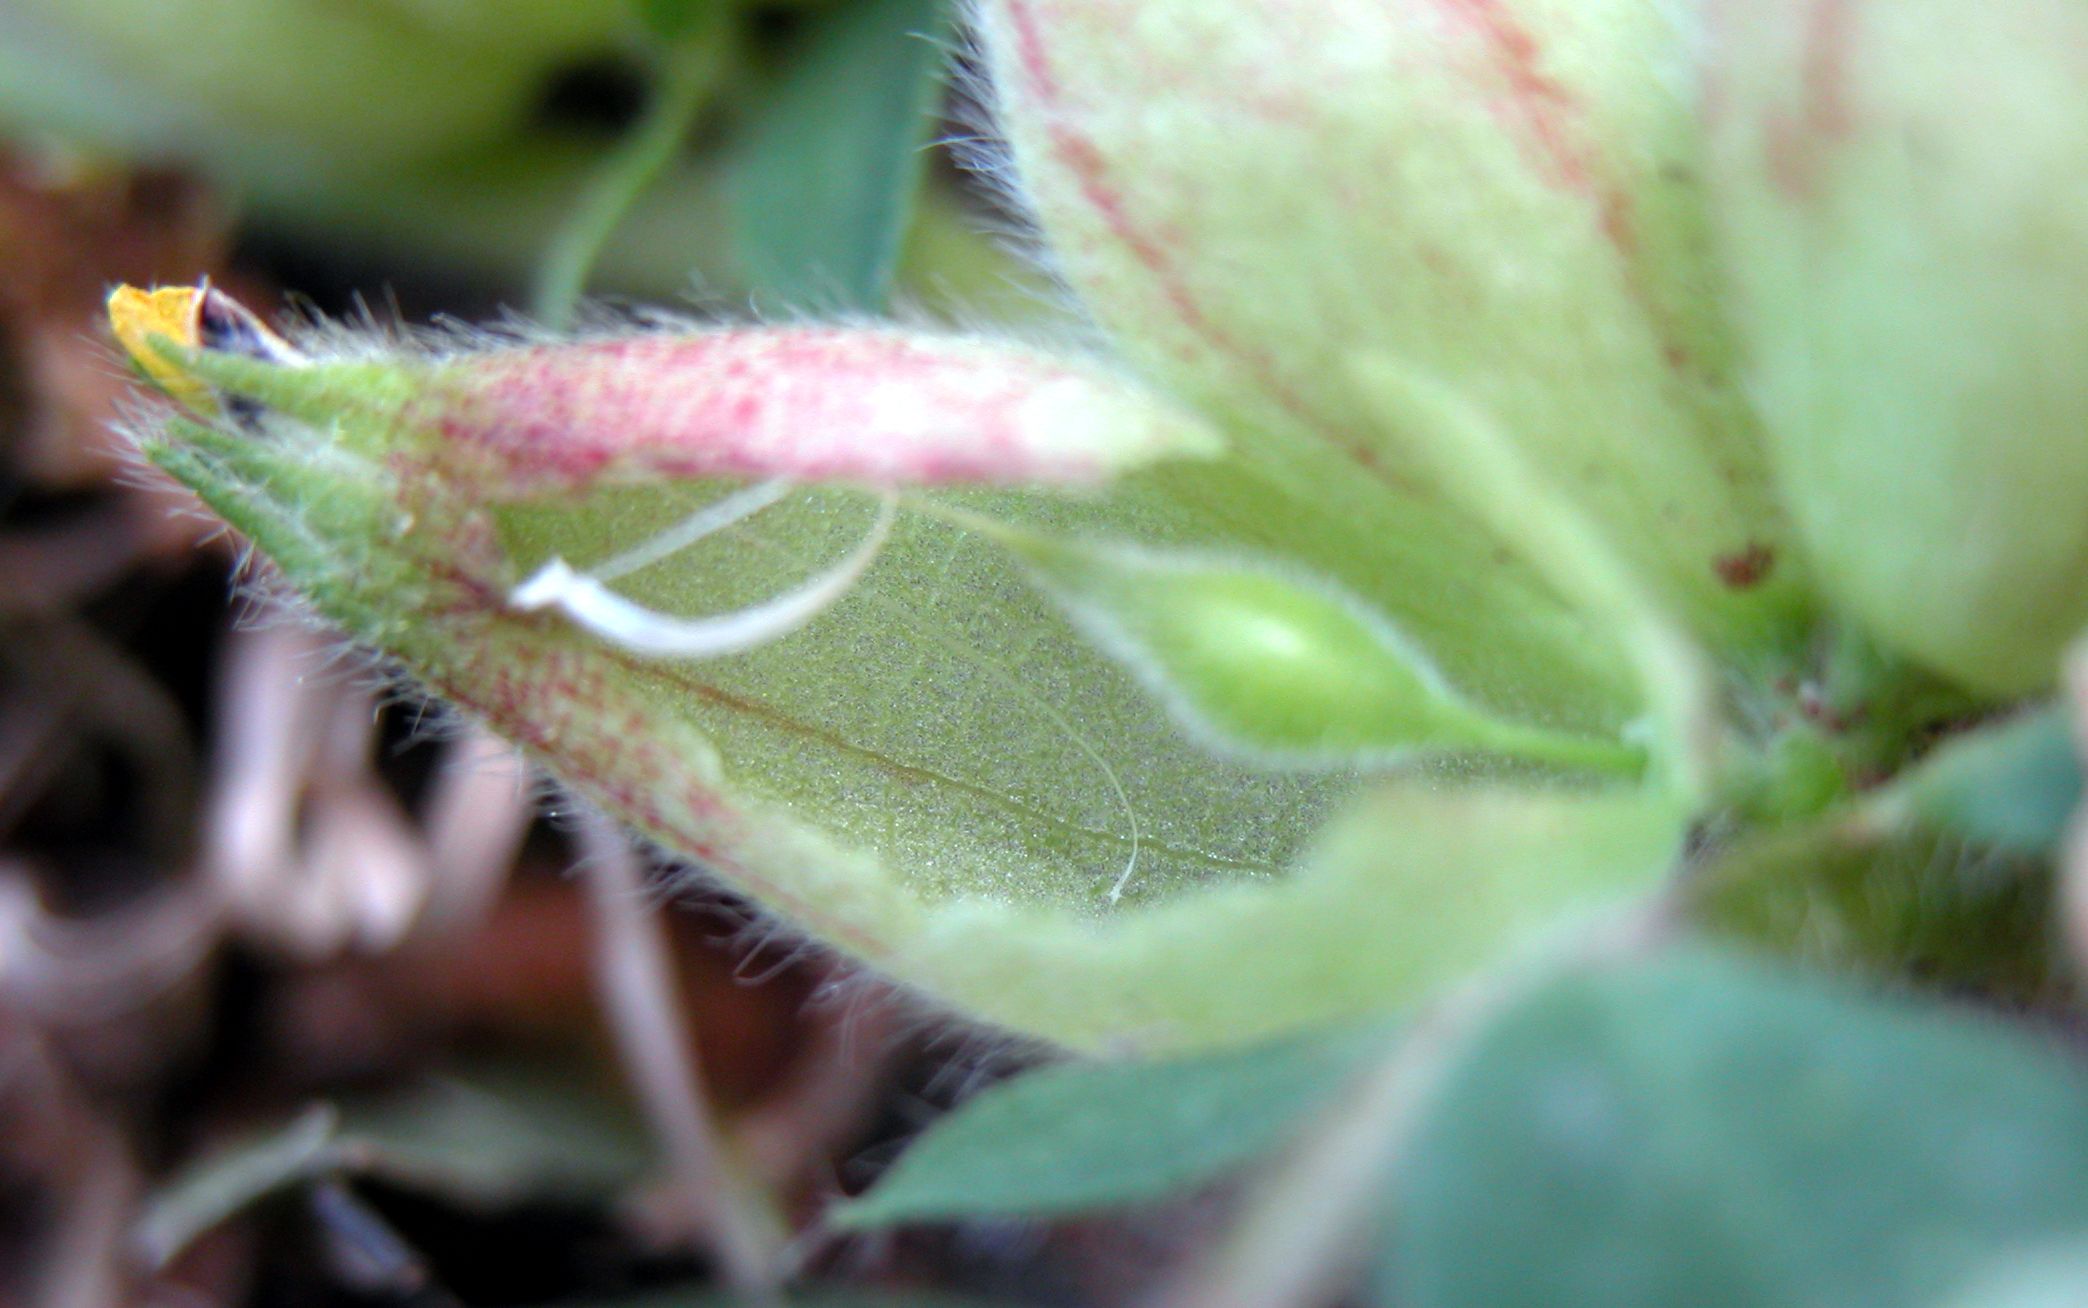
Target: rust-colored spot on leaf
1747, 568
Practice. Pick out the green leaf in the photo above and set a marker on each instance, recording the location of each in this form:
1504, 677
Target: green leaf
1085, 1136
234, 1178
672, 20
822, 179
500, 1134
504, 1131
1707, 1131
2045, 1277
2012, 787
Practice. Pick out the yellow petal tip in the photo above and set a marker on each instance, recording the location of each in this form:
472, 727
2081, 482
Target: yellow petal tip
172, 312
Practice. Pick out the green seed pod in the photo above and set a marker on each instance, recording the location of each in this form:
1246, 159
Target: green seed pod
1903, 186
1278, 669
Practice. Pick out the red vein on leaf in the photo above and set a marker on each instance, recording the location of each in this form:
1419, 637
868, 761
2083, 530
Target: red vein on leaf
1830, 31
1091, 170
1796, 143
1551, 123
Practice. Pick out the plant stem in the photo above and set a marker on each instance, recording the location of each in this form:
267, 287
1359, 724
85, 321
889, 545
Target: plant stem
688, 74
85, 1255
1559, 748
638, 992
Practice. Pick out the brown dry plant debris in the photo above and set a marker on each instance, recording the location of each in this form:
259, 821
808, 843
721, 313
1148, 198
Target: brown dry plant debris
234, 878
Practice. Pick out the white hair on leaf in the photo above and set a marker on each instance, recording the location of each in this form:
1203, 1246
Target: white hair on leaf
590, 604
706, 521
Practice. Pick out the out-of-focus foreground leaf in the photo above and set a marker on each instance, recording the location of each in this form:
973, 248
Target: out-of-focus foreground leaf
1706, 1131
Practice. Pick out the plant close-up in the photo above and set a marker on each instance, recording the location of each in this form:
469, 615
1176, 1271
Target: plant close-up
1461, 614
